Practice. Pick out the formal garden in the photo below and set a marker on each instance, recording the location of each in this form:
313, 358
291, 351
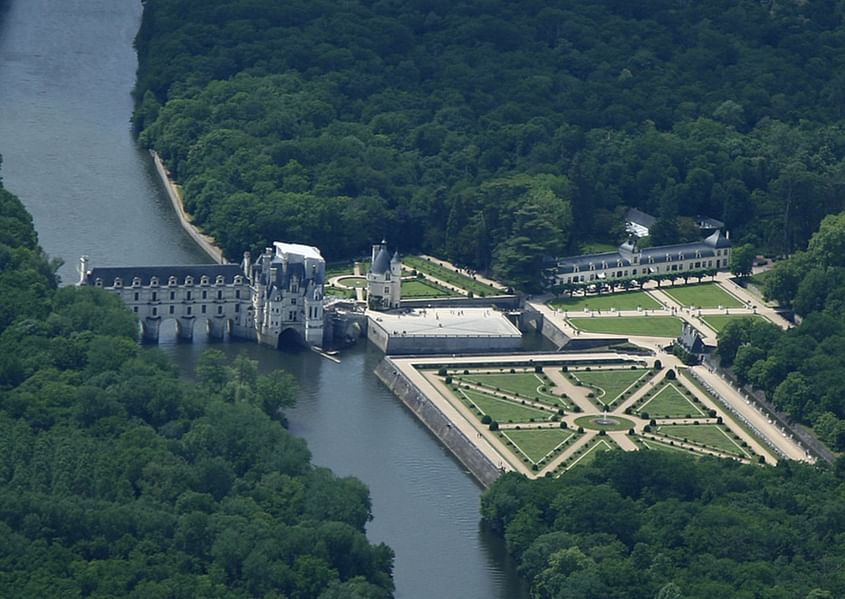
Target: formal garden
610, 385
633, 326
447, 275
703, 295
717, 322
626, 300
540, 416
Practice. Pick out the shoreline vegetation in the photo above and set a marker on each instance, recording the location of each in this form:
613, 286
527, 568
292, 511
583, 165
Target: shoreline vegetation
173, 190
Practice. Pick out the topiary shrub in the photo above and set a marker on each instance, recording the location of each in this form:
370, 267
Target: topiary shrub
563, 425
670, 375
486, 419
658, 365
448, 380
493, 426
442, 371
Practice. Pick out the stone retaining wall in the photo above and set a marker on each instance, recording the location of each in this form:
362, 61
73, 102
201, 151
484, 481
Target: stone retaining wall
461, 447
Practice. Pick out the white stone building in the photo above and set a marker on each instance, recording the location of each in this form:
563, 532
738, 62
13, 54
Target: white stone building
287, 293
384, 279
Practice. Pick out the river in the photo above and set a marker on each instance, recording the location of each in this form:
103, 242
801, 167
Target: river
66, 71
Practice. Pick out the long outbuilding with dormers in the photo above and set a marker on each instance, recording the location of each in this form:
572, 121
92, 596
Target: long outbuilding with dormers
630, 262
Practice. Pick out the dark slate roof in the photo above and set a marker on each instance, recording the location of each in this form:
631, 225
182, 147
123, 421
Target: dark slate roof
381, 264
127, 273
612, 259
639, 217
691, 340
718, 240
673, 253
705, 222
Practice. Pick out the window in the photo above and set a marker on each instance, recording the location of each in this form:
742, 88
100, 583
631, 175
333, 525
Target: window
188, 296
136, 309
172, 295
219, 294
387, 289
237, 294
136, 296
204, 294
237, 307
155, 296
171, 309
188, 312
203, 309
155, 311
220, 309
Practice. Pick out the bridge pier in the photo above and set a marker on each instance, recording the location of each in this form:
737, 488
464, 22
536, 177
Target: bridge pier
185, 328
217, 328
149, 329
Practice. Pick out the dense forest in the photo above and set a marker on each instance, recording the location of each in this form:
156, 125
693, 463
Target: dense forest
654, 525
118, 479
802, 370
483, 131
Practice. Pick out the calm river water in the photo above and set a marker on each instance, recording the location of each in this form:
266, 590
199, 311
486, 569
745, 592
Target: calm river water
66, 70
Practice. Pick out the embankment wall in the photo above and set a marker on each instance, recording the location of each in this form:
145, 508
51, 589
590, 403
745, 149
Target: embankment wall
456, 441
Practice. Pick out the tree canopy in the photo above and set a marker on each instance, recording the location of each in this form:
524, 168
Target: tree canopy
338, 124
119, 479
652, 524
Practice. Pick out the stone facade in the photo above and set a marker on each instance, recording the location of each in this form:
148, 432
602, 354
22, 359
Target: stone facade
630, 262
218, 294
384, 279
287, 293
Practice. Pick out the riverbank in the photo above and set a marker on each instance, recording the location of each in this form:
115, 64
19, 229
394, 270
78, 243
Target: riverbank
205, 242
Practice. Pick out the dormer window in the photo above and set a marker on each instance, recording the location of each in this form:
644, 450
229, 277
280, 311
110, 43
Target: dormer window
171, 282
136, 282
219, 280
154, 282
239, 280
204, 280
189, 280
98, 282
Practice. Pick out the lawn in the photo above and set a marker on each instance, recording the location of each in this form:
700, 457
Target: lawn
355, 282
538, 443
624, 300
502, 410
609, 384
717, 322
703, 295
600, 445
710, 435
418, 288
449, 276
525, 384
656, 446
637, 326
338, 292
669, 402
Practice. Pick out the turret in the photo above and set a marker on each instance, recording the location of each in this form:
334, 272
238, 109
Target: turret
83, 269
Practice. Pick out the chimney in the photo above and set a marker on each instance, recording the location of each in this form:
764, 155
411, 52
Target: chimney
83, 269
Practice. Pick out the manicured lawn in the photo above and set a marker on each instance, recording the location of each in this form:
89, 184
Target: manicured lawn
419, 288
355, 282
711, 435
623, 300
341, 293
717, 322
637, 326
449, 276
596, 447
654, 445
525, 384
538, 443
703, 295
502, 410
609, 384
669, 402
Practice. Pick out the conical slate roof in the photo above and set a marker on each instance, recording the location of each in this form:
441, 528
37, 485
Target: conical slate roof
718, 240
381, 264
